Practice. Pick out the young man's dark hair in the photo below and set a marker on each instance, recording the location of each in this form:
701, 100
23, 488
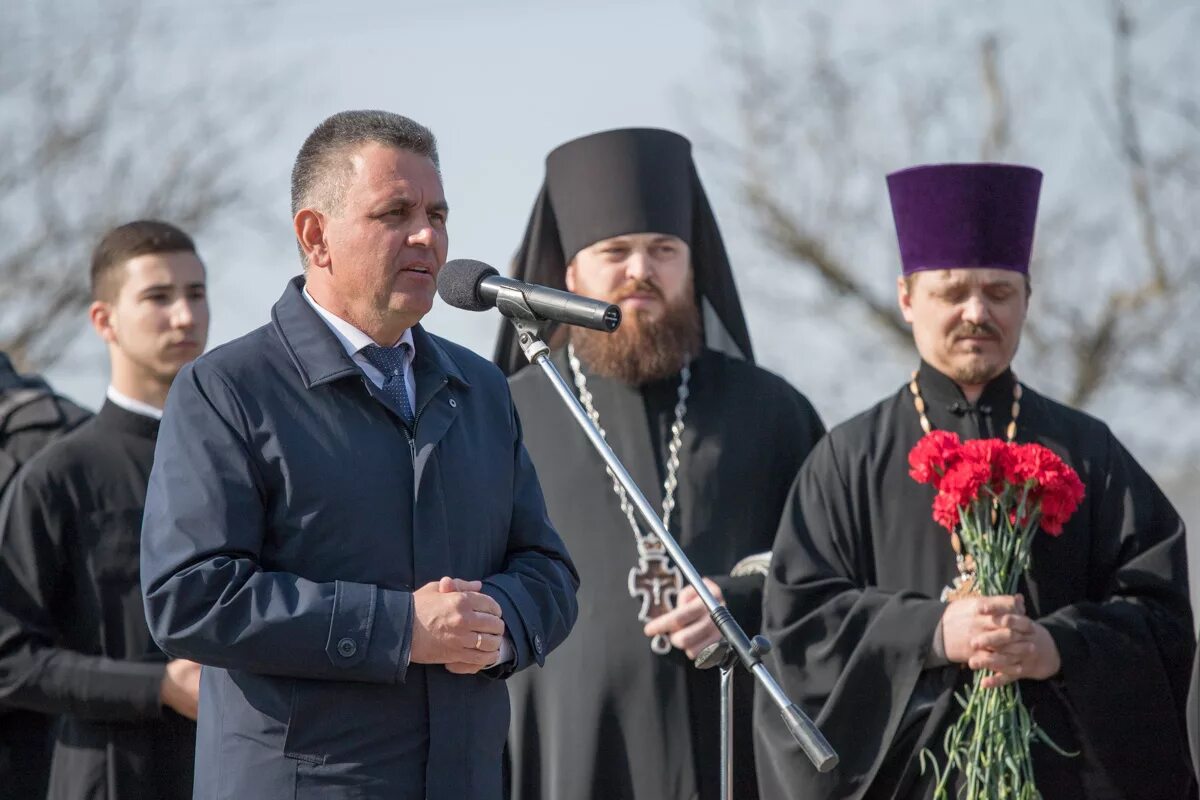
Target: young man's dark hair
128, 241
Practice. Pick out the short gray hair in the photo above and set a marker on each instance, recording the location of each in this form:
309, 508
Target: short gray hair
323, 163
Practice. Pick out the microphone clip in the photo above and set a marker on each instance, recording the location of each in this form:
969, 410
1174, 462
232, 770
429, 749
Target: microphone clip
529, 326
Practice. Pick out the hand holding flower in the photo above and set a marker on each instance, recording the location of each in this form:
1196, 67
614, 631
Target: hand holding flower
973, 619
1028, 652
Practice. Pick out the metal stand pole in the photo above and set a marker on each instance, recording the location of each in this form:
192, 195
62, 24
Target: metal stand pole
720, 654
727, 732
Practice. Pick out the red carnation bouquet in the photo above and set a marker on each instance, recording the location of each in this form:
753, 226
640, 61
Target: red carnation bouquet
993, 496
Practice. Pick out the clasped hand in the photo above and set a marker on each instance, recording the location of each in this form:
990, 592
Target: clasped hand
455, 624
993, 633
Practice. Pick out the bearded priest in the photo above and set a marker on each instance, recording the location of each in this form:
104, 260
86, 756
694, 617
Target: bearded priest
710, 438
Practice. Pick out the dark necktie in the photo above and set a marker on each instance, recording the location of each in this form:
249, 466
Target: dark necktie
391, 362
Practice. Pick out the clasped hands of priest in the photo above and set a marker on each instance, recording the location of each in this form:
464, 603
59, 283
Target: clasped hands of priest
994, 633
456, 625
688, 625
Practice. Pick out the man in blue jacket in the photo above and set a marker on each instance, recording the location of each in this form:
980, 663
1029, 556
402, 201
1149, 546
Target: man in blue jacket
343, 524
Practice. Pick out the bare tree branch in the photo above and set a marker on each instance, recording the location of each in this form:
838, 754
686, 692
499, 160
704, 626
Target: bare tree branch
1102, 349
1135, 155
824, 111
89, 148
806, 247
999, 134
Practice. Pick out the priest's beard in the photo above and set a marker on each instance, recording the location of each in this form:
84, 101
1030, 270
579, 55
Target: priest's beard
642, 350
982, 367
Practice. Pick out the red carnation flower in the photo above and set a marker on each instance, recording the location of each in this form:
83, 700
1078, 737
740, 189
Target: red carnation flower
998, 456
1033, 462
945, 511
1055, 489
964, 481
1059, 499
931, 457
961, 471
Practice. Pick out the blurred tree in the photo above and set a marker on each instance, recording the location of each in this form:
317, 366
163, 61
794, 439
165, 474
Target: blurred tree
1103, 97
99, 125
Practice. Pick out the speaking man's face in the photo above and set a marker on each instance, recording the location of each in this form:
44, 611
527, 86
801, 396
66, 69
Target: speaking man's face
387, 241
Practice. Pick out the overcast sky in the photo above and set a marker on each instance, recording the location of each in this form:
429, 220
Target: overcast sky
501, 84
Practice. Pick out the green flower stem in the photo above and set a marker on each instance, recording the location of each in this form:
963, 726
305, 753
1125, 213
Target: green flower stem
989, 743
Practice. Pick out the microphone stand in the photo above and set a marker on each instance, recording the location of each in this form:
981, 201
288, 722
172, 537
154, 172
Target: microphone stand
736, 646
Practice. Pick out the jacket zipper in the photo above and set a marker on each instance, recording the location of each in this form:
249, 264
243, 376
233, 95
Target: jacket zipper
412, 435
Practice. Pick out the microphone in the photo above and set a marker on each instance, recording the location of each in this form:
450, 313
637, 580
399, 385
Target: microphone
475, 286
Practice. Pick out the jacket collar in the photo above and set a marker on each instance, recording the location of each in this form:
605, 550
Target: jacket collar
432, 362
320, 358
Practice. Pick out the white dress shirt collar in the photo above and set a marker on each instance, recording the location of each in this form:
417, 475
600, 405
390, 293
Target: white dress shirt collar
354, 340
351, 338
134, 406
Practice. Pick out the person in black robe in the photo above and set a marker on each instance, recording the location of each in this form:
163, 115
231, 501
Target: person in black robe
73, 636
622, 215
1100, 636
31, 416
1194, 715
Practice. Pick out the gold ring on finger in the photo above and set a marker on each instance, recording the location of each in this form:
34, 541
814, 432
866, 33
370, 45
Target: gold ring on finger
479, 641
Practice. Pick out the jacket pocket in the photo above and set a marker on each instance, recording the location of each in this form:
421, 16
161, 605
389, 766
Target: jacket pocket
317, 782
349, 735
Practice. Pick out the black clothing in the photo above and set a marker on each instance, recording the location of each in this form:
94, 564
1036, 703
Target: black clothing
607, 718
851, 606
31, 416
73, 637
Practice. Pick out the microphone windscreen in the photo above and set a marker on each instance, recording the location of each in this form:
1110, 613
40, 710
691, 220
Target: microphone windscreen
458, 283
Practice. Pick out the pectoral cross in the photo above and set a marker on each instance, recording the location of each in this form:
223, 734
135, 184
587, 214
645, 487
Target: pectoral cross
655, 582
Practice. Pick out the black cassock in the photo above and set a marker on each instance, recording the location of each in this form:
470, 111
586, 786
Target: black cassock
73, 635
31, 416
1194, 716
605, 717
851, 605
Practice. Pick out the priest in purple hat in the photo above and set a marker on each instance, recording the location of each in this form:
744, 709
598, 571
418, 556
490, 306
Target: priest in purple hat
1100, 635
